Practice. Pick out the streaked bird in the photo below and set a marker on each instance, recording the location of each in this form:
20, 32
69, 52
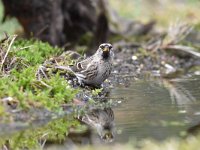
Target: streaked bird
95, 69
102, 120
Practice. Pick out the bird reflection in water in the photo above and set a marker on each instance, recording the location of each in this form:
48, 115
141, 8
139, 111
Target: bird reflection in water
102, 120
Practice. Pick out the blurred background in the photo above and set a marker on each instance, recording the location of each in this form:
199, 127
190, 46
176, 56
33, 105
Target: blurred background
161, 11
156, 108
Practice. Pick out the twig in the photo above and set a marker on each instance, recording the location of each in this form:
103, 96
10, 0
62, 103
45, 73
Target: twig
66, 68
41, 30
183, 48
42, 71
9, 47
25, 47
43, 83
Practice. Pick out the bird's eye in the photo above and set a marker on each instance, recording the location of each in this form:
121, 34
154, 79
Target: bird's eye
110, 47
102, 46
79, 66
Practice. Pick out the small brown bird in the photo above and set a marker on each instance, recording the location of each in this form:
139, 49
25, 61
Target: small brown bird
97, 68
102, 120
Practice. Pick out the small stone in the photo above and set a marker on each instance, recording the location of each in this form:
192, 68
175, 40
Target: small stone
119, 102
134, 57
197, 72
141, 66
168, 66
163, 62
197, 113
182, 111
7, 99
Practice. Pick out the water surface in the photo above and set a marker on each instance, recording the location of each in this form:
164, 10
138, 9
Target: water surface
157, 108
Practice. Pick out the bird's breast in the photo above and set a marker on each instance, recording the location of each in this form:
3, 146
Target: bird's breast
103, 72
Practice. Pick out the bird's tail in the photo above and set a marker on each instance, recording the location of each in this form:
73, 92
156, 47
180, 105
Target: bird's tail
67, 69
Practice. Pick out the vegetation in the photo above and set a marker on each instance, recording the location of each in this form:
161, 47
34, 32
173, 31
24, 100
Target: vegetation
19, 79
21, 90
35, 138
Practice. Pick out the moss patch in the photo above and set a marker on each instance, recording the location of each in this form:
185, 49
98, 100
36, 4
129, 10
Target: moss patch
19, 81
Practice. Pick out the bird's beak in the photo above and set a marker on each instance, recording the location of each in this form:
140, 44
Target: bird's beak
108, 137
106, 49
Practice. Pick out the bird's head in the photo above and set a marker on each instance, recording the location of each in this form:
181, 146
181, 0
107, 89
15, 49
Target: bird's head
106, 50
108, 137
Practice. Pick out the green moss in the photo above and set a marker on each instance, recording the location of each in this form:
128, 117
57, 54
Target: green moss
54, 132
22, 85
96, 92
34, 51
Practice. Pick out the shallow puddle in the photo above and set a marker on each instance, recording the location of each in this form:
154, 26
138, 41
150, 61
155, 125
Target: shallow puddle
157, 108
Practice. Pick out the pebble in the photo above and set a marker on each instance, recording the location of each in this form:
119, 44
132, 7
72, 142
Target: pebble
134, 57
119, 102
197, 72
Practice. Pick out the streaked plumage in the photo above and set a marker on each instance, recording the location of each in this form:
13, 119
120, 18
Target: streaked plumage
102, 120
97, 68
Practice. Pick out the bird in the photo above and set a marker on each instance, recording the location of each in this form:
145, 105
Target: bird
102, 120
96, 69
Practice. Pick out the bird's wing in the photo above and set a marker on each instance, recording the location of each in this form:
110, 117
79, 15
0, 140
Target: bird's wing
91, 71
110, 113
82, 65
